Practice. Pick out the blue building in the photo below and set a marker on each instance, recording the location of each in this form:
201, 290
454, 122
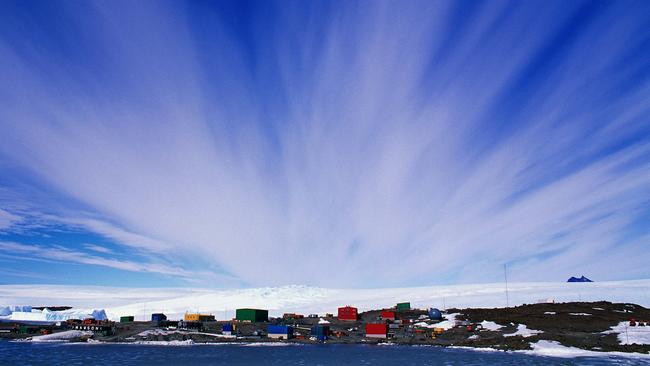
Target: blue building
227, 329
280, 331
158, 317
321, 332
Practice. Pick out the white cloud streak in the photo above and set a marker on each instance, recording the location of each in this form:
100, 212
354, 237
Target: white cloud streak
7, 219
61, 255
98, 248
368, 165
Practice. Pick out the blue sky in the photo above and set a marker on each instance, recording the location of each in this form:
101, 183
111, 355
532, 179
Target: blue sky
342, 144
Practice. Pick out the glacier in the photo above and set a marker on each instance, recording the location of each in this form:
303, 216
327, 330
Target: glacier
174, 302
25, 314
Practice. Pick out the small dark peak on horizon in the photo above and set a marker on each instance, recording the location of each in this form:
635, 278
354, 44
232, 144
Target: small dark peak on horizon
581, 279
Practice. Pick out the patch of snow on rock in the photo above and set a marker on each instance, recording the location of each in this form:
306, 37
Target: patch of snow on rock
61, 336
630, 335
555, 349
488, 325
159, 332
523, 331
447, 324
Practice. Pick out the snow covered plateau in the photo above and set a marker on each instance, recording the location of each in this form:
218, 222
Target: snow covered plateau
174, 302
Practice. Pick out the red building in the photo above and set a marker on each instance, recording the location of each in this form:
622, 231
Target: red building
387, 315
376, 330
348, 313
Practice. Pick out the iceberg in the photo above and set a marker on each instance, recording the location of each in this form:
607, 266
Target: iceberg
7, 310
25, 314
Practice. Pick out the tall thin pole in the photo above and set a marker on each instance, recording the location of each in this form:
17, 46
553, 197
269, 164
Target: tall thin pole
505, 274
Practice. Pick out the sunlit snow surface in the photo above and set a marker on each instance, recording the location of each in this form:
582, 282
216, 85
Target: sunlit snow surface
555, 349
523, 331
448, 323
61, 336
174, 302
631, 335
488, 325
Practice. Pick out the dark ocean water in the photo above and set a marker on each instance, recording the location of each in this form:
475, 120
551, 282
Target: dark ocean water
24, 353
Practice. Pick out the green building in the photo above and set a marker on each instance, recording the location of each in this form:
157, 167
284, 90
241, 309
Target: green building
252, 315
127, 319
403, 306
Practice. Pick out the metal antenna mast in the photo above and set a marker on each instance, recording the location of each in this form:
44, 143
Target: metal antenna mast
505, 274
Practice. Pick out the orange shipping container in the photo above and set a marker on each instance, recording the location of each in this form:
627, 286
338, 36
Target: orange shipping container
195, 317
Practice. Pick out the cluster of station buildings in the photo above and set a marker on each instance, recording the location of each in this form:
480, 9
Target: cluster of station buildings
248, 322
378, 327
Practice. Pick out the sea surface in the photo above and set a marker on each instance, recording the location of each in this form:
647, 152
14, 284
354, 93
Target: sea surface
26, 353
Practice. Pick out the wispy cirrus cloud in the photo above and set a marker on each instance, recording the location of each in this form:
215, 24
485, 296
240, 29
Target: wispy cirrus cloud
113, 232
7, 219
399, 143
61, 254
98, 248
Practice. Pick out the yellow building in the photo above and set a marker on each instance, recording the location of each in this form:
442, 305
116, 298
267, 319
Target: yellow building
196, 317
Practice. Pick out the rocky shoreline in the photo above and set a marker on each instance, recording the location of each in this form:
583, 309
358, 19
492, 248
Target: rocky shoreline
589, 326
